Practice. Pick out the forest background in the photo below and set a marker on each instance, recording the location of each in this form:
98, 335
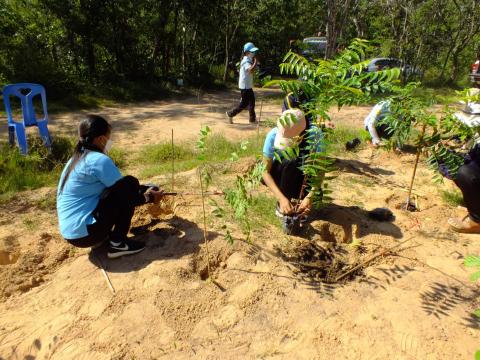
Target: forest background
126, 49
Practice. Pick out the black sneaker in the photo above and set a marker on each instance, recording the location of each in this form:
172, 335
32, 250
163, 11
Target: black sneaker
291, 224
127, 247
352, 144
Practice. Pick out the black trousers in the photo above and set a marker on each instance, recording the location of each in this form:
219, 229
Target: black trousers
113, 213
468, 180
289, 178
247, 101
382, 131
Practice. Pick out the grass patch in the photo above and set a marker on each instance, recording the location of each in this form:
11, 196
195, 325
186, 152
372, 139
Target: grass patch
337, 138
118, 156
157, 159
38, 168
262, 211
452, 197
440, 95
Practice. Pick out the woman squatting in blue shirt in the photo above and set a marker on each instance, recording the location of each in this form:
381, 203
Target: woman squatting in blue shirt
95, 203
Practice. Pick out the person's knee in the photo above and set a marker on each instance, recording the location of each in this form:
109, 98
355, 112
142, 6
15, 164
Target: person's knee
127, 184
129, 181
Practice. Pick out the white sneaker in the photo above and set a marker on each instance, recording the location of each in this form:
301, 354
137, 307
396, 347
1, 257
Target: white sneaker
278, 212
229, 118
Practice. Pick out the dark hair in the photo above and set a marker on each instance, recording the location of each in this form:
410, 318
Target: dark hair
89, 128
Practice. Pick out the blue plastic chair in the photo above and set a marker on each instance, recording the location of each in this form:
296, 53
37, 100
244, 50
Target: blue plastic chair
26, 92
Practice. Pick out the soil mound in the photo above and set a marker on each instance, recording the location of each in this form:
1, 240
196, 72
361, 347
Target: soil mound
29, 267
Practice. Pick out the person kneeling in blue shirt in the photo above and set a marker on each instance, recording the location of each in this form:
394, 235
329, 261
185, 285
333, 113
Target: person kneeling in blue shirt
282, 176
95, 203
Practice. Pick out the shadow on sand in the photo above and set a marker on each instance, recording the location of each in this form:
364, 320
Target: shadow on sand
164, 239
354, 221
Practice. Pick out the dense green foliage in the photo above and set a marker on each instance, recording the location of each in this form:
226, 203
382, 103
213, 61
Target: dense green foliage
132, 48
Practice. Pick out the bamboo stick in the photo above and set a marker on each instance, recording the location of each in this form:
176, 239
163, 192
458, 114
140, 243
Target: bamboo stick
105, 275
173, 165
419, 150
204, 222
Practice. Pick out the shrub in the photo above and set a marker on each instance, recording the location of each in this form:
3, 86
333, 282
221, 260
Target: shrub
38, 168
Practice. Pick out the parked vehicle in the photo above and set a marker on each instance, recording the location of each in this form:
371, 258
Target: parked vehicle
475, 74
314, 47
378, 64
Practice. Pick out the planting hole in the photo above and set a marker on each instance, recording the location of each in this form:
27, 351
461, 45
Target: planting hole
8, 257
313, 262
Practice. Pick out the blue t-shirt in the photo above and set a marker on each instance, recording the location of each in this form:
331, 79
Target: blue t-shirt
315, 137
93, 173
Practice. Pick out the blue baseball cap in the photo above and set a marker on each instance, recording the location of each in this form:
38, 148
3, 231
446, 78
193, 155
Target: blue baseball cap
249, 47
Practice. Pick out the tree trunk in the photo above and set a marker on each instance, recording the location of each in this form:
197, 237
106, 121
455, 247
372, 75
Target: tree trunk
227, 53
337, 16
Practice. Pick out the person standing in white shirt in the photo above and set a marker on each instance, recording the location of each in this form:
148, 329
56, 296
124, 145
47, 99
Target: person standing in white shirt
245, 84
373, 123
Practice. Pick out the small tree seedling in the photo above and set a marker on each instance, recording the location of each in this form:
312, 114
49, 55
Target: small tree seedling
326, 83
239, 198
439, 137
204, 179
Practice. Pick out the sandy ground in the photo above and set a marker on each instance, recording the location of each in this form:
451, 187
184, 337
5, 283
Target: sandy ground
268, 300
135, 125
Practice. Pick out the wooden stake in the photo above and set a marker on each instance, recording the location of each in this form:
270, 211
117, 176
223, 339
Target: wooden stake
173, 164
258, 121
204, 221
107, 279
419, 150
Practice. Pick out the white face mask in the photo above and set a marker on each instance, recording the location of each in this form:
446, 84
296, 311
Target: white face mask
108, 146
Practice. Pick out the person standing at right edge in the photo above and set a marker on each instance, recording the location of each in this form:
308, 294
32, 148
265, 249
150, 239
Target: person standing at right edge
468, 180
245, 83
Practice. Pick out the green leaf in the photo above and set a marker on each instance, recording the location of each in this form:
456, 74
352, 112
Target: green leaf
234, 156
472, 261
229, 238
475, 276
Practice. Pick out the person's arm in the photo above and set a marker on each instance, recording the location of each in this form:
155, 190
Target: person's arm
252, 68
370, 122
104, 169
285, 205
307, 203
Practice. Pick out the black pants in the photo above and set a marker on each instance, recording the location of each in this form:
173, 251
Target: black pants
247, 101
468, 180
288, 177
382, 131
113, 213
